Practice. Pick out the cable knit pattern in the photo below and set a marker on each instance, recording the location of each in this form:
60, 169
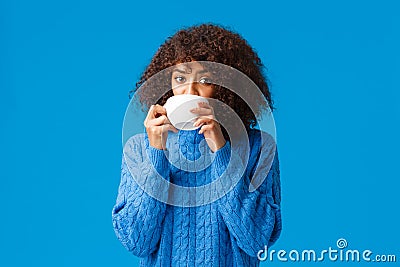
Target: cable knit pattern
227, 232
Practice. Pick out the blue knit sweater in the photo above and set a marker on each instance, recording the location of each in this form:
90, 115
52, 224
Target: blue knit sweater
227, 232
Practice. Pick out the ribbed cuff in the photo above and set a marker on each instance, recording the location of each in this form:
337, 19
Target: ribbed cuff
158, 160
222, 157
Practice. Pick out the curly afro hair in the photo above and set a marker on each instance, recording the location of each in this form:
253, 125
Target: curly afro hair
208, 42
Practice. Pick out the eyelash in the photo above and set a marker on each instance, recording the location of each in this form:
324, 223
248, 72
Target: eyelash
180, 77
207, 81
204, 80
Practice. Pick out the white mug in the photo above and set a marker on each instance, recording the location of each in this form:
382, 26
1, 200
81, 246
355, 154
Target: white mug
178, 110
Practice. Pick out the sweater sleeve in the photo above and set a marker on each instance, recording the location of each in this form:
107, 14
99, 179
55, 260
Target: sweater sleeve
253, 217
137, 217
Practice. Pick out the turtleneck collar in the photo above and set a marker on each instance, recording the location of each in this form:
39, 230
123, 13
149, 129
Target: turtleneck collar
191, 137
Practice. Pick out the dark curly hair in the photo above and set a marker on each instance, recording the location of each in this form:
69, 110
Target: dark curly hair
208, 42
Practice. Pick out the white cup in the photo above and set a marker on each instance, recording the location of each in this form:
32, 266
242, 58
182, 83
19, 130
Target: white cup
178, 110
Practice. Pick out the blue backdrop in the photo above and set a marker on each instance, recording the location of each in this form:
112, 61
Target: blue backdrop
65, 71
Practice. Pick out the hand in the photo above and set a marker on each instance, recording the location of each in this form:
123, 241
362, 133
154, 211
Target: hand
157, 126
209, 126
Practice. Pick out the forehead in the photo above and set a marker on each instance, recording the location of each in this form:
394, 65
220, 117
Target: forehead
190, 67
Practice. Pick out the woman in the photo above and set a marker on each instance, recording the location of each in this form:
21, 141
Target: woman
231, 229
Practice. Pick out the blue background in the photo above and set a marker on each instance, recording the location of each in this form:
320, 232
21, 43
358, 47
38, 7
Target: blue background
65, 71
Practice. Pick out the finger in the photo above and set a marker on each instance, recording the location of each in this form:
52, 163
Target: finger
202, 111
149, 114
203, 120
160, 109
158, 121
158, 130
204, 128
168, 127
156, 111
208, 117
204, 105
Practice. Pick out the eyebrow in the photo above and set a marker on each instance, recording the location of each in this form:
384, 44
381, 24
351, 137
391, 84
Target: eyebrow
184, 72
180, 71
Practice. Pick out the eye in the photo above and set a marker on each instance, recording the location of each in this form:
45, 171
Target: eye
205, 80
180, 79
